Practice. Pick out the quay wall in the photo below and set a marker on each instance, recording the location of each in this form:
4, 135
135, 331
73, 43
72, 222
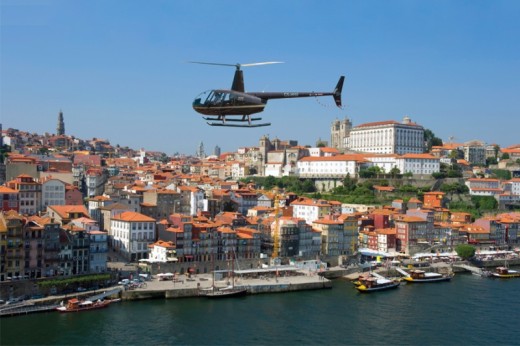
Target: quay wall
251, 289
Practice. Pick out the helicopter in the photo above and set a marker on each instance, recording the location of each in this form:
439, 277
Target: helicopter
223, 107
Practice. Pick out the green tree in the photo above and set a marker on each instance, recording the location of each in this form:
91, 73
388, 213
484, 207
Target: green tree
3, 152
505, 156
394, 172
269, 182
439, 175
370, 172
465, 251
503, 174
308, 186
431, 140
484, 203
491, 161
349, 183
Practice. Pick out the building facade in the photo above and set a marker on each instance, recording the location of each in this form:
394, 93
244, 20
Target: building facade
387, 137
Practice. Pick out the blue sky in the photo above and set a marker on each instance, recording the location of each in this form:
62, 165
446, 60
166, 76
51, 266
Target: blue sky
117, 68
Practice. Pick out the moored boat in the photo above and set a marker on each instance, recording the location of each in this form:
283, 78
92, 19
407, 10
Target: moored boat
225, 292
361, 278
76, 305
373, 284
505, 273
420, 276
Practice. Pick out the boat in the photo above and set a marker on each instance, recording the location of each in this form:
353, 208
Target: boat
224, 292
505, 273
360, 279
421, 276
377, 283
76, 305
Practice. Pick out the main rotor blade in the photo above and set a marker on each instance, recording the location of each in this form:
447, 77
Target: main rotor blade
237, 65
263, 63
211, 63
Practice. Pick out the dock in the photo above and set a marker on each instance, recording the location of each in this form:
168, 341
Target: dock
190, 288
25, 308
470, 268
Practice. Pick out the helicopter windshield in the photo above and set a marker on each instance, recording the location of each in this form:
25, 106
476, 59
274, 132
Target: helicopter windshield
212, 97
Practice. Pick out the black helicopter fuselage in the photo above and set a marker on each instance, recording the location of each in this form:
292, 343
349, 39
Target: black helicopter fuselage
231, 102
228, 102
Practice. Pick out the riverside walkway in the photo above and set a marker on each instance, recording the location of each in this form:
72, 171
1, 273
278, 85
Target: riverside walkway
190, 287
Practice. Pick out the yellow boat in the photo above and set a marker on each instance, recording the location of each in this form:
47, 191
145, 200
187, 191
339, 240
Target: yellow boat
506, 273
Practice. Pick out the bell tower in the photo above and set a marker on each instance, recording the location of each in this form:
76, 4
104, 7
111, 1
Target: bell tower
60, 129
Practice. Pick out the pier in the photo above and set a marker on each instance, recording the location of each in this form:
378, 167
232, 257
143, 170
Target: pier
470, 268
190, 288
25, 308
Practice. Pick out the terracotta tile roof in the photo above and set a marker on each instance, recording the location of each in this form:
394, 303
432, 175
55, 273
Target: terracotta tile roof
410, 219
419, 156
131, 216
5, 189
64, 210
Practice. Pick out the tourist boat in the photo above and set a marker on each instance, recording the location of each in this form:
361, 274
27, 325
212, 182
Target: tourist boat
420, 276
377, 283
76, 305
505, 273
361, 278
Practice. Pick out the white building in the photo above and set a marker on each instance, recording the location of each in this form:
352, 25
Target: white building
418, 164
513, 186
53, 192
484, 187
162, 251
330, 166
387, 137
310, 210
95, 180
131, 233
238, 170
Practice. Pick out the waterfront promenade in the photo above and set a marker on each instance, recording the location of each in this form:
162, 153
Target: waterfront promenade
190, 287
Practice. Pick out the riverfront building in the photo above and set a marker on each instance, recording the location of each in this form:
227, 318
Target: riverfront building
131, 233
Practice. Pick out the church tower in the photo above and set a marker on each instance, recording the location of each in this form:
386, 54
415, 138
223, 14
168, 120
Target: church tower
340, 130
60, 129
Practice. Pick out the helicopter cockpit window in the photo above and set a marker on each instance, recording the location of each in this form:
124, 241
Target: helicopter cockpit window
202, 98
218, 97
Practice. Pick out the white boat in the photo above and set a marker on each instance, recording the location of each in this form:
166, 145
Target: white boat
421, 276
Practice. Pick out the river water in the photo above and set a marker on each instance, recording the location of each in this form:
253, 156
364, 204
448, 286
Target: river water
469, 310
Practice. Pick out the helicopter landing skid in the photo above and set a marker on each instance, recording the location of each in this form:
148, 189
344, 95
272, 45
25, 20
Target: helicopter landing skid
237, 120
247, 121
236, 125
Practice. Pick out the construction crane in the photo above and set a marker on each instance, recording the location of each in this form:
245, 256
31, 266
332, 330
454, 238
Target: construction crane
276, 235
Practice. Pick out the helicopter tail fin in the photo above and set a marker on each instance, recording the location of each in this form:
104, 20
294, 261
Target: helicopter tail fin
337, 91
